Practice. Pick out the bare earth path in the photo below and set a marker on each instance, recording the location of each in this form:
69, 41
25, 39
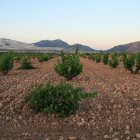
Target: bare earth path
113, 115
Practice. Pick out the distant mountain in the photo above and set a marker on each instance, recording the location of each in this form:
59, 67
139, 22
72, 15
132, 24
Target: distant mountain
63, 45
83, 48
41, 46
13, 45
131, 47
8, 44
53, 43
57, 45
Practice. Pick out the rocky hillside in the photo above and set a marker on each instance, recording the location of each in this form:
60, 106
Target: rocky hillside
12, 45
8, 44
83, 48
131, 47
57, 45
53, 43
63, 45
44, 45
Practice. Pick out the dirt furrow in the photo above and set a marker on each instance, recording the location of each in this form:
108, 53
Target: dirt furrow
113, 114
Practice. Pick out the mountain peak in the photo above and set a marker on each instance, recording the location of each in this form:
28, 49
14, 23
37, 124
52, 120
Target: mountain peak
130, 47
83, 47
58, 43
52, 43
8, 44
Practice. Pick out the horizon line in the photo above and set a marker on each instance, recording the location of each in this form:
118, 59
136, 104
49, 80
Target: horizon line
69, 43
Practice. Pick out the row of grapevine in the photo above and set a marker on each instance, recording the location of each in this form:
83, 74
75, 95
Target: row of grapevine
62, 99
7, 61
110, 59
131, 62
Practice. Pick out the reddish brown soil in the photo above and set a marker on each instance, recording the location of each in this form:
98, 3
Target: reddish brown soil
113, 115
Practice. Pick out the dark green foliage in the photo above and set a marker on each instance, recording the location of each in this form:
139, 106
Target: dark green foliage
91, 57
129, 63
105, 59
61, 99
98, 58
124, 56
44, 57
113, 60
83, 55
137, 61
18, 58
26, 64
6, 63
69, 66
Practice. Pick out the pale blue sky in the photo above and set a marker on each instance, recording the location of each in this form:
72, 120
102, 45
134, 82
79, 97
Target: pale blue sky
98, 23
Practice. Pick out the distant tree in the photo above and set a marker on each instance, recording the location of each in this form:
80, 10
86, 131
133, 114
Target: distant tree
69, 66
137, 61
6, 63
113, 60
129, 63
105, 59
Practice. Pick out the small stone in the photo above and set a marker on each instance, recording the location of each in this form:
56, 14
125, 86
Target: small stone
25, 122
39, 134
128, 138
27, 135
116, 138
72, 138
134, 69
106, 136
0, 105
80, 123
82, 119
20, 117
127, 132
55, 124
135, 99
114, 106
61, 138
111, 129
99, 107
116, 134
138, 135
127, 127
7, 118
47, 138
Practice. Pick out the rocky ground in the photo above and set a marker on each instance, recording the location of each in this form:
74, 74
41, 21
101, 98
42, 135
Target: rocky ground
113, 115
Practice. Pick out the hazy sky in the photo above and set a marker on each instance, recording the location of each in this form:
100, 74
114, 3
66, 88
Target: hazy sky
98, 23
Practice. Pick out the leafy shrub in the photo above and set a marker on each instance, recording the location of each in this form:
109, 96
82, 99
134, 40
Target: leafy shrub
61, 99
124, 56
26, 64
105, 59
98, 58
44, 57
129, 63
113, 60
89, 56
84, 56
6, 63
18, 58
137, 61
69, 66
92, 57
